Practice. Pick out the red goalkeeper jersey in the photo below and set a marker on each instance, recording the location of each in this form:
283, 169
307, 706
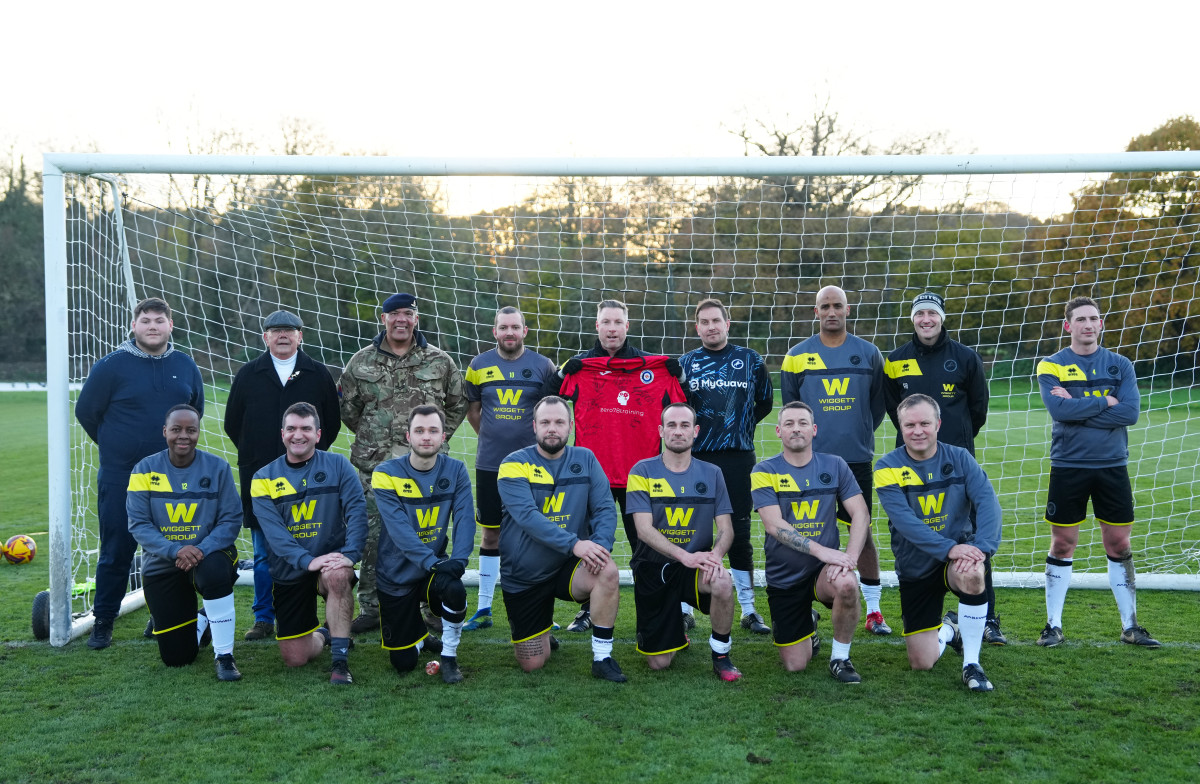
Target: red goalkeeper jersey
618, 403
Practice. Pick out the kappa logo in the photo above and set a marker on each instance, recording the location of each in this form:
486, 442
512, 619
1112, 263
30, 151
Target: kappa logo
622, 397
647, 376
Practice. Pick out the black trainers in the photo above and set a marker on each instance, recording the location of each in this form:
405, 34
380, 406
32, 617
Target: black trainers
607, 669
365, 622
582, 622
975, 680
432, 644
450, 671
340, 674
816, 645
754, 622
843, 671
951, 619
101, 636
226, 669
1137, 635
876, 625
148, 633
261, 630
992, 634
724, 669
1052, 636
553, 643
689, 622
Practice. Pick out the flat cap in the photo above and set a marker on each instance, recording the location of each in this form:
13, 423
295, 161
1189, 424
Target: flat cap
282, 319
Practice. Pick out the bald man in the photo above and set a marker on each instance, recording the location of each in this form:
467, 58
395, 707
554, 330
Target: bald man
840, 377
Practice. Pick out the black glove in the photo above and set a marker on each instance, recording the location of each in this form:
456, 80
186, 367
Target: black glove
674, 368
449, 567
573, 365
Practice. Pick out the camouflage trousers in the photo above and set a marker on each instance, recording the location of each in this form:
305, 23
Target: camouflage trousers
368, 599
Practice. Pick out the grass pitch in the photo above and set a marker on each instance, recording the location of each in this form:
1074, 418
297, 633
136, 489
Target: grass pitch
1091, 710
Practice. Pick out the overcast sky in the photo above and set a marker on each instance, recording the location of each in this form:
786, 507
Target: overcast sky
596, 79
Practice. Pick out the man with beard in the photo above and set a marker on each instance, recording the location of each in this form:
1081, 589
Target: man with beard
556, 541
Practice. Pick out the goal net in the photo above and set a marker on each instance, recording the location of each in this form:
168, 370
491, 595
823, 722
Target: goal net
1006, 242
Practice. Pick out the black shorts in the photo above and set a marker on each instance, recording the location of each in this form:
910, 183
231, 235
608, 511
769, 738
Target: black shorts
171, 595
1070, 489
864, 474
922, 601
736, 468
401, 624
488, 507
657, 591
531, 612
791, 611
296, 606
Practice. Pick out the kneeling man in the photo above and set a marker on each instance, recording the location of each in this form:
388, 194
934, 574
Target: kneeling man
419, 495
185, 513
556, 541
945, 524
311, 508
675, 502
797, 494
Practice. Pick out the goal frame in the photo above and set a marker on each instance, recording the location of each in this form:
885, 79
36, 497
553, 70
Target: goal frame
56, 165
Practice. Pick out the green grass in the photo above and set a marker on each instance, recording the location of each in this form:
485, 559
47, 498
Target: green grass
1092, 710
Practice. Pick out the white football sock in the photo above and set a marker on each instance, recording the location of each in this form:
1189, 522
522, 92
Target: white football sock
451, 634
1123, 582
839, 650
489, 570
945, 635
971, 620
1058, 579
719, 647
744, 589
871, 594
220, 620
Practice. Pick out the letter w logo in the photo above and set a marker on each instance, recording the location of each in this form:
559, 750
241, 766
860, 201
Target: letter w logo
427, 518
181, 512
931, 504
303, 511
805, 510
510, 397
948, 387
553, 504
836, 386
677, 516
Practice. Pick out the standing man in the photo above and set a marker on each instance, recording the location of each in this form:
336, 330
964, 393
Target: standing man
502, 385
731, 391
840, 376
619, 392
262, 390
676, 502
184, 513
420, 495
1092, 396
556, 541
932, 364
381, 384
312, 513
945, 524
122, 406
798, 493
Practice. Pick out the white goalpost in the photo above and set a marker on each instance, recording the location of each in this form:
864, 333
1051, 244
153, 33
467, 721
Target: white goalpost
1007, 240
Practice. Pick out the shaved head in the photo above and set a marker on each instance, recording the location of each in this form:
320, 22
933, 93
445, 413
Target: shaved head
831, 292
832, 309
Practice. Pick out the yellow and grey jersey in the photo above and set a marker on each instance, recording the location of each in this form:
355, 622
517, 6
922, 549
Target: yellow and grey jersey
935, 504
506, 390
807, 498
844, 387
684, 505
170, 507
309, 510
549, 505
1087, 432
418, 510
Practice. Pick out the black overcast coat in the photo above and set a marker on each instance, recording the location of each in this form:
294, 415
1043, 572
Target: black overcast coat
255, 410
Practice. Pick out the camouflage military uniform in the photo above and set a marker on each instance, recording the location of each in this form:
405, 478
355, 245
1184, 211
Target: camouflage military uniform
378, 390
